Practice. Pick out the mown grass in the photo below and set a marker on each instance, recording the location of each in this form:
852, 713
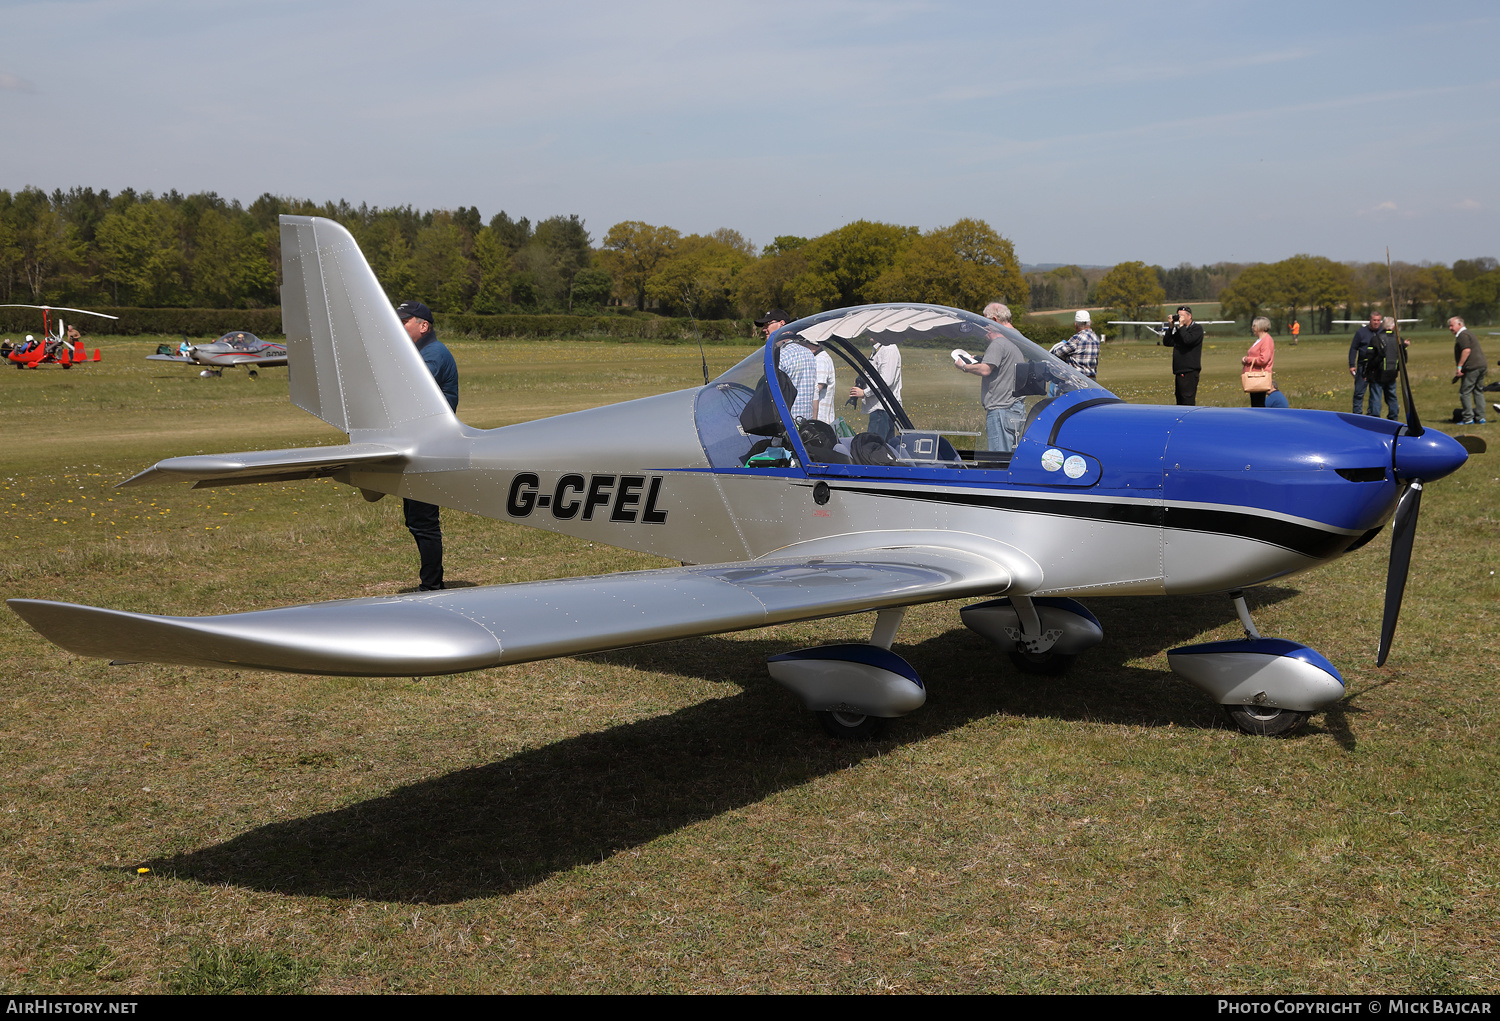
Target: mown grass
669, 819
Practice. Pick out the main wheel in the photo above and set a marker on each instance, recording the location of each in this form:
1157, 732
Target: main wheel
1265, 721
851, 726
1044, 664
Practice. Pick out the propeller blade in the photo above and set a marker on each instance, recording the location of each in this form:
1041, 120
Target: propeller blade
1403, 534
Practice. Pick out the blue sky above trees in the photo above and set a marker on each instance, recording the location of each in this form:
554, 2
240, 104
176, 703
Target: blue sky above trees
1092, 133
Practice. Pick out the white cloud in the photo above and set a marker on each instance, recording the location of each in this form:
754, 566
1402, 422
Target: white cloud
15, 83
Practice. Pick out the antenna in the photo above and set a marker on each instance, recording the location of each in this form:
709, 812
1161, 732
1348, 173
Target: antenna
1413, 423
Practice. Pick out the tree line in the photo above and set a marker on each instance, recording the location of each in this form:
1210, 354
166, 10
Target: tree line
137, 249
1308, 288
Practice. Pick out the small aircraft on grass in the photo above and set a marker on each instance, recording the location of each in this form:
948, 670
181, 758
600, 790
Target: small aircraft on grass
779, 520
63, 348
234, 348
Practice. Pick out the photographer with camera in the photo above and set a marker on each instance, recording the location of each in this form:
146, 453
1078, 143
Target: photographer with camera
1185, 338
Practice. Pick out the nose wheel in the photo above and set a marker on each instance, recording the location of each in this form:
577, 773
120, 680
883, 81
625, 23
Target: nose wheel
1265, 721
848, 726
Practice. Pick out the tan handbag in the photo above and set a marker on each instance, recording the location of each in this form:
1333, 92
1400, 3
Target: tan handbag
1256, 381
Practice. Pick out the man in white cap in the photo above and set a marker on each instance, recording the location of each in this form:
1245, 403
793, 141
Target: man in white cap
1082, 349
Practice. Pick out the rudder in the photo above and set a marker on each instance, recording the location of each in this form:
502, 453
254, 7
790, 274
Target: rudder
349, 361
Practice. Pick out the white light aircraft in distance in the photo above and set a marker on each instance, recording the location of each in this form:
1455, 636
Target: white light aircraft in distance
1160, 328
1366, 322
1070, 492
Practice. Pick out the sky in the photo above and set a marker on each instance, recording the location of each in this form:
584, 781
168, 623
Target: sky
1090, 133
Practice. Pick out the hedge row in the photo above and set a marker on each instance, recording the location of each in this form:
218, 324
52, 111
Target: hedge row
194, 322
652, 328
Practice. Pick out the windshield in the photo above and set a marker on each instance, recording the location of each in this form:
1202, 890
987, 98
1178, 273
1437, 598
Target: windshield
886, 385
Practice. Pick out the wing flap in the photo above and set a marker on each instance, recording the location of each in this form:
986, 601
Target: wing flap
468, 629
267, 465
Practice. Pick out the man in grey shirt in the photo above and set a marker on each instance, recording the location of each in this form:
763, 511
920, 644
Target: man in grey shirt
1004, 411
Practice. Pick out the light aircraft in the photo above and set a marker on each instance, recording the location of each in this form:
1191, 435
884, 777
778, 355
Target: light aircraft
1365, 322
1097, 497
1160, 328
54, 348
234, 348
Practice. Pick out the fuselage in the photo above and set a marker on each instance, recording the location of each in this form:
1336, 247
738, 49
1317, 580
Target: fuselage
1108, 497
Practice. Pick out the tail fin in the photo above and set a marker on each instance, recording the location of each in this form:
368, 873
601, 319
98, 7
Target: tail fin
349, 361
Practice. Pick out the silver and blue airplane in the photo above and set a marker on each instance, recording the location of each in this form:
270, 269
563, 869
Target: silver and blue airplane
911, 497
233, 349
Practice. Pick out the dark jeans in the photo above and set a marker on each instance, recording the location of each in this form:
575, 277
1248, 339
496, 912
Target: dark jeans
422, 522
1389, 390
1360, 383
1471, 396
1187, 387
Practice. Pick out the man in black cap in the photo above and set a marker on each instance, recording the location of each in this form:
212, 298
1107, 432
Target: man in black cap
1185, 338
772, 321
422, 518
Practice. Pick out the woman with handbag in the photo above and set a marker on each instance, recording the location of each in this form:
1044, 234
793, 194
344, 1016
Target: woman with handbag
1257, 379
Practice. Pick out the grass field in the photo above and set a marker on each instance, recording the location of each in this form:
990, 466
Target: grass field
668, 819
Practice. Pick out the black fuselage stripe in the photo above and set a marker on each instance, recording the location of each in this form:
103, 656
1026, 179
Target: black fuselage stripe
1304, 539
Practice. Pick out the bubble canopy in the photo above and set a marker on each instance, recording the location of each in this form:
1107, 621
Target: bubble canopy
880, 385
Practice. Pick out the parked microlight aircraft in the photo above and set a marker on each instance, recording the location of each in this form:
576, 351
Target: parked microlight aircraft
234, 348
55, 348
1160, 328
1098, 496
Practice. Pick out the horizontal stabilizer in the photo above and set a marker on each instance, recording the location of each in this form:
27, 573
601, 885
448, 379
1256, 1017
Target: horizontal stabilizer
268, 465
468, 629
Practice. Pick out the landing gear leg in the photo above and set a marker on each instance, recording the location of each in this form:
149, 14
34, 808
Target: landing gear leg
1035, 651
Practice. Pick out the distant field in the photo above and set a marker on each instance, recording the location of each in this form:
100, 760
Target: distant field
668, 819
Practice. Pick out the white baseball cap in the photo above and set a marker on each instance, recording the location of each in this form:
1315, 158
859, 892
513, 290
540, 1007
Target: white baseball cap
1082, 316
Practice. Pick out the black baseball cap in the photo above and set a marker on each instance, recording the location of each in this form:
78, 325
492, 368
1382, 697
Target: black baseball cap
1184, 308
413, 310
773, 316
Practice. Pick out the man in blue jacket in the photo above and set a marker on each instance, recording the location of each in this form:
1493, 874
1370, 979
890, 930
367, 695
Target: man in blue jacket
1359, 353
422, 518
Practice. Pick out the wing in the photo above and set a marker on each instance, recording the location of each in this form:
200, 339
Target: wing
170, 358
470, 629
265, 361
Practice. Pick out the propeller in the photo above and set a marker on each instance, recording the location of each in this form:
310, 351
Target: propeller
1408, 505
1403, 534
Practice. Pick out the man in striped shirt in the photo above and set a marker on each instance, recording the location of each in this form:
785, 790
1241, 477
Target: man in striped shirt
1082, 349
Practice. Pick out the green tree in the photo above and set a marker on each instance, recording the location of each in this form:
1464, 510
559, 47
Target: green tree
771, 282
141, 252
844, 264
45, 241
1133, 288
569, 250
441, 272
966, 265
495, 263
699, 276
631, 252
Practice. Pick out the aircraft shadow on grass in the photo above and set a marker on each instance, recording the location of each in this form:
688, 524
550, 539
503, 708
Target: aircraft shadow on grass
500, 828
